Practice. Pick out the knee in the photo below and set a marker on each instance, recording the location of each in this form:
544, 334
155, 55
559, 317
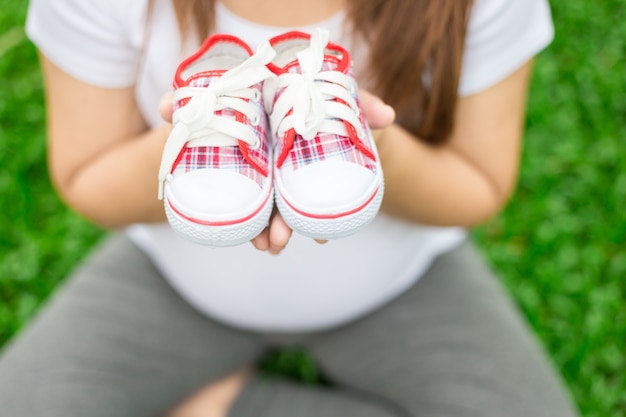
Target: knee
214, 400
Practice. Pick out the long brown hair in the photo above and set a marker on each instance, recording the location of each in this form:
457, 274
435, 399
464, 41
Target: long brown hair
416, 50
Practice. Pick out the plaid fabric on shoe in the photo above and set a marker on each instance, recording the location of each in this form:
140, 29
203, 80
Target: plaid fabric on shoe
216, 170
230, 157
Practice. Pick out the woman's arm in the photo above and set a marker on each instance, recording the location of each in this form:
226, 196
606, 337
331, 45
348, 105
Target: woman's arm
471, 177
103, 160
459, 184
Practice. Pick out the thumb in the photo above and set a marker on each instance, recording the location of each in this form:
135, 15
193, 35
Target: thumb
165, 106
377, 113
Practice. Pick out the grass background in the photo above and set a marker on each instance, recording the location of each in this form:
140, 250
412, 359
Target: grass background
560, 244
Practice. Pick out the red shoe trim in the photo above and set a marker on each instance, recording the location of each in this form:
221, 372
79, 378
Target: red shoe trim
221, 222
206, 45
354, 137
178, 158
343, 65
332, 216
288, 139
245, 150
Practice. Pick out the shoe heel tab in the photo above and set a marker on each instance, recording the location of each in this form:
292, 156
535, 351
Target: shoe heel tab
208, 43
344, 61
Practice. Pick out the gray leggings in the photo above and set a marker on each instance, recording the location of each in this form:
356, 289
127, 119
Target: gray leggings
116, 340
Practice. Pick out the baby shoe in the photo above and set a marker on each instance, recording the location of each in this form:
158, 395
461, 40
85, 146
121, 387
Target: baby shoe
216, 170
327, 175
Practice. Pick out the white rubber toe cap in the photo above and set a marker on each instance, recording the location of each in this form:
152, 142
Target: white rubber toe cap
214, 194
328, 186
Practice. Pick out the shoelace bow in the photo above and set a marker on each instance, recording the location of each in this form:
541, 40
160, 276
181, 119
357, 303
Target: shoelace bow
197, 124
314, 101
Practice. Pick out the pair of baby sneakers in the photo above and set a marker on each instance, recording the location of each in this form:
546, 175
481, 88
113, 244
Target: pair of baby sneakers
279, 127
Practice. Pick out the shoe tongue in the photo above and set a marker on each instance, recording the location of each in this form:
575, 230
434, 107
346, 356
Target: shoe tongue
331, 63
204, 78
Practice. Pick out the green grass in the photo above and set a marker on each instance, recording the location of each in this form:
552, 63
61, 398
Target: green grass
560, 245
40, 240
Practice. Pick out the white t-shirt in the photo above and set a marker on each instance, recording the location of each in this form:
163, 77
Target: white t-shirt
308, 286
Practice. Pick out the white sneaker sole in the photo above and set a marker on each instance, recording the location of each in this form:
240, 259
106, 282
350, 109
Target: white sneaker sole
223, 233
333, 226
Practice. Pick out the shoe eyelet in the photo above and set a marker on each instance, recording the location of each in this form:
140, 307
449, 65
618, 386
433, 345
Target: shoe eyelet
256, 96
353, 89
257, 144
255, 120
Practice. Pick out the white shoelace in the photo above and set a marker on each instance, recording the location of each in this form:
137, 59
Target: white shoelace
196, 123
317, 98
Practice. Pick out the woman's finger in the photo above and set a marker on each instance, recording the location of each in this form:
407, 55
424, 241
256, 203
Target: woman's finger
262, 241
378, 114
165, 107
279, 234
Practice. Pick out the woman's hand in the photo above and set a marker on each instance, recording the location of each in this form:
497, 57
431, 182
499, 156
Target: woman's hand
275, 237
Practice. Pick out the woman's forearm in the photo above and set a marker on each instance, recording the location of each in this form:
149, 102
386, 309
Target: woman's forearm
433, 185
119, 187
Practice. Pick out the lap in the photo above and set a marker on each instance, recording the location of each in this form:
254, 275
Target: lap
453, 345
116, 340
